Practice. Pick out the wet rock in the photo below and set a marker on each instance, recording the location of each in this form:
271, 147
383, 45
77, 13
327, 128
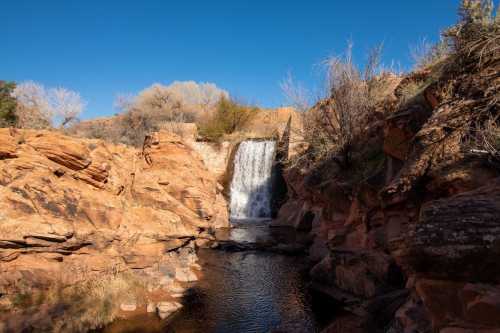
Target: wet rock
185, 274
166, 309
128, 306
151, 307
196, 266
176, 288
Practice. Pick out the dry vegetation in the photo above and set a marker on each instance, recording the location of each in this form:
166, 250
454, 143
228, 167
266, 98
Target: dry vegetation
39, 107
227, 118
345, 126
335, 126
474, 59
89, 304
156, 107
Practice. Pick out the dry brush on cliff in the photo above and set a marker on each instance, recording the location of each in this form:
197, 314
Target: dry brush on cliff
338, 126
413, 244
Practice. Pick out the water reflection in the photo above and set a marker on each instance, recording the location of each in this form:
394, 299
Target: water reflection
247, 292
240, 292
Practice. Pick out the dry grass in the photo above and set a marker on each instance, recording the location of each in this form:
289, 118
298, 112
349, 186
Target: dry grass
484, 140
426, 55
89, 304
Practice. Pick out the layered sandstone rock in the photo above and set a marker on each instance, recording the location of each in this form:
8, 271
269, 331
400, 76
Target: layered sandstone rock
414, 246
73, 210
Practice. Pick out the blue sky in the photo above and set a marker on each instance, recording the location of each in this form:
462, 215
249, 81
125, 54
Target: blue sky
102, 48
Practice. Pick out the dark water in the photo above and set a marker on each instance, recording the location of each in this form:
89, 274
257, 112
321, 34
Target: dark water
250, 291
247, 292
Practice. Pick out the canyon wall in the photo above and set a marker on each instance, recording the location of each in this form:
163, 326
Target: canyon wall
412, 246
119, 222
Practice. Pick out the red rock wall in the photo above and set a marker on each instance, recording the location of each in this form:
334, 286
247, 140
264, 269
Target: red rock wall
415, 247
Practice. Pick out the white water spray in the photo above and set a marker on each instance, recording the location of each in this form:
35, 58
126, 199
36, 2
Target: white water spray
251, 184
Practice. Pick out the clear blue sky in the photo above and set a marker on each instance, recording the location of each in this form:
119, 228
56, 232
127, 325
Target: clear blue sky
101, 48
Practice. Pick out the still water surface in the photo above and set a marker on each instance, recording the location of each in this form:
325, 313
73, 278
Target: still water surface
247, 291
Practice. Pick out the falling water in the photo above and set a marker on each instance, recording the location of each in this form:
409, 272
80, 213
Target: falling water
251, 184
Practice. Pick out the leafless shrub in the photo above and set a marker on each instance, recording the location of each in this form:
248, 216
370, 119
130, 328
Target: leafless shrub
151, 110
298, 96
485, 140
476, 38
334, 125
157, 107
426, 54
345, 115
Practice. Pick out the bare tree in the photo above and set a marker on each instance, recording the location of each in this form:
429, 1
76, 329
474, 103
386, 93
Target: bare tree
33, 108
33, 95
39, 107
197, 94
158, 107
66, 105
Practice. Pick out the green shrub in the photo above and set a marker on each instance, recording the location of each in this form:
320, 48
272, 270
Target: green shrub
22, 300
229, 117
7, 104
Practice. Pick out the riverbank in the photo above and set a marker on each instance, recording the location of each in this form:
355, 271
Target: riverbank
243, 288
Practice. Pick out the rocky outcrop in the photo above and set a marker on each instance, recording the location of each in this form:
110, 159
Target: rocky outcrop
216, 156
74, 211
414, 246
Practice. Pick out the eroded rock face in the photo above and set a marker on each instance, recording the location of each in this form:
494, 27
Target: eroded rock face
414, 247
458, 236
73, 209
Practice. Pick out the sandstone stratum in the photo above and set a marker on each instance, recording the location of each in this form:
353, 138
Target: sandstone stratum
90, 231
407, 233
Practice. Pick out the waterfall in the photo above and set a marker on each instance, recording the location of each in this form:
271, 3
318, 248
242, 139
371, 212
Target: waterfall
251, 183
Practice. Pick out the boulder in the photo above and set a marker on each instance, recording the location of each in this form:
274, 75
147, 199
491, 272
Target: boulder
458, 236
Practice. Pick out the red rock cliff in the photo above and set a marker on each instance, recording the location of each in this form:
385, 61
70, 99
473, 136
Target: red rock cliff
73, 210
415, 246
